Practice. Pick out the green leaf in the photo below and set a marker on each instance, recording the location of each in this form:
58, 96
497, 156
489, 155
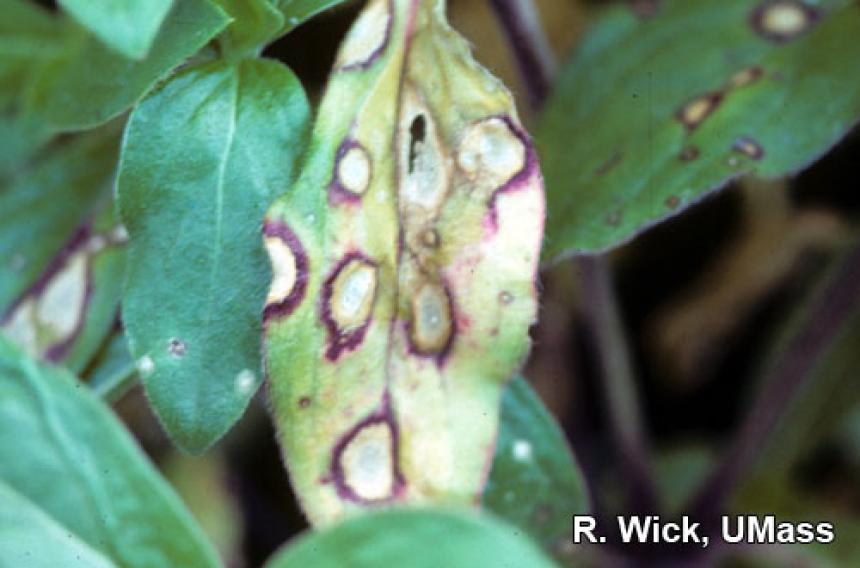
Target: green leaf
89, 83
127, 26
29, 537
255, 23
418, 538
28, 34
64, 450
202, 158
534, 483
114, 370
616, 155
296, 12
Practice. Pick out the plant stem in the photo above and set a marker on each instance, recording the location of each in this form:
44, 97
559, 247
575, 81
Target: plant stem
521, 23
116, 385
826, 315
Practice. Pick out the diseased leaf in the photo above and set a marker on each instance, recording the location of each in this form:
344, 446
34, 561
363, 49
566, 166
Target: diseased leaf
42, 205
404, 263
420, 538
85, 471
30, 538
202, 157
89, 83
535, 483
653, 113
66, 313
127, 26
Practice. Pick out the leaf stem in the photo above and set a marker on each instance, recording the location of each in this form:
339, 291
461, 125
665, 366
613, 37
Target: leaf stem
784, 380
521, 23
116, 385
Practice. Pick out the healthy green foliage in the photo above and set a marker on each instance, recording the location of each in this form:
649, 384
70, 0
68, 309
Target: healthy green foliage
202, 157
297, 12
87, 83
404, 262
255, 22
127, 26
28, 537
653, 113
419, 538
535, 483
86, 472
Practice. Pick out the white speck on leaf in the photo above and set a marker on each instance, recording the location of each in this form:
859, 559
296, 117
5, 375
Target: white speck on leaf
245, 382
522, 450
145, 365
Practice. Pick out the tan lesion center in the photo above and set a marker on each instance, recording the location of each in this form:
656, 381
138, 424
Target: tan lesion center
353, 291
490, 153
353, 170
367, 463
368, 35
432, 322
284, 270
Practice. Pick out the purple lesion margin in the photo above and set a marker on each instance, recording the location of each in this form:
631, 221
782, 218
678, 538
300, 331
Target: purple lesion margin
521, 179
441, 356
338, 339
376, 53
74, 244
385, 416
286, 306
337, 193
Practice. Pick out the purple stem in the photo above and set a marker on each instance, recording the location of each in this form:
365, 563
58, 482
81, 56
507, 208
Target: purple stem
826, 315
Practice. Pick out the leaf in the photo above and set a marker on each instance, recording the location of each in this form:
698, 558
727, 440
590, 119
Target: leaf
828, 389
61, 448
30, 538
90, 84
202, 157
404, 264
650, 115
127, 26
113, 371
43, 205
535, 483
65, 315
296, 12
418, 538
255, 23
28, 34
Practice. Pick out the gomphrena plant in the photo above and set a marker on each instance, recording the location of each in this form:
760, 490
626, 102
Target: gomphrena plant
381, 256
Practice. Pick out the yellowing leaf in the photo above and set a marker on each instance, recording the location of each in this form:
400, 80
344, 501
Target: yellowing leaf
404, 263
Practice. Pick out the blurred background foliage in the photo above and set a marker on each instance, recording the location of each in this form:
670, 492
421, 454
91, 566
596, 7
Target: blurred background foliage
717, 303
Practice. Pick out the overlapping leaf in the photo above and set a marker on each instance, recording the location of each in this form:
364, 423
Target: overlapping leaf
653, 112
89, 83
85, 471
127, 26
535, 483
419, 538
203, 157
29, 537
